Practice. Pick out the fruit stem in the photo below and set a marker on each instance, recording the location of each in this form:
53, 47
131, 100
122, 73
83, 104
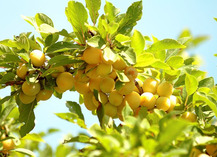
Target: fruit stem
186, 100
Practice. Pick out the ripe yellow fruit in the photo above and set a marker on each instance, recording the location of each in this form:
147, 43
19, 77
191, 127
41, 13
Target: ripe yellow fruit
22, 71
58, 90
44, 94
7, 145
127, 88
81, 76
90, 71
133, 99
131, 72
107, 84
31, 89
113, 74
150, 85
119, 64
163, 103
82, 87
211, 149
88, 101
92, 55
189, 116
58, 70
94, 83
115, 98
65, 81
37, 58
25, 99
95, 102
165, 89
173, 102
195, 152
110, 110
103, 98
148, 100
103, 69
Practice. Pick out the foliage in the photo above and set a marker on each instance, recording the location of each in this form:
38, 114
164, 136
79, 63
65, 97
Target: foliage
111, 42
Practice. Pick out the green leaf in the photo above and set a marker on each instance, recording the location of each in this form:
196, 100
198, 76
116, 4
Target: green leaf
207, 82
4, 49
47, 29
62, 150
133, 14
191, 84
75, 108
166, 136
127, 111
198, 40
109, 55
80, 138
77, 16
9, 58
33, 137
137, 42
175, 61
160, 65
110, 11
215, 18
93, 6
96, 41
25, 151
7, 110
41, 18
165, 44
27, 116
129, 55
30, 20
61, 47
207, 99
62, 60
122, 77
73, 118
7, 78
145, 59
123, 39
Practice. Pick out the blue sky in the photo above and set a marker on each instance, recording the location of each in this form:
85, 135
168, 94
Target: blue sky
163, 19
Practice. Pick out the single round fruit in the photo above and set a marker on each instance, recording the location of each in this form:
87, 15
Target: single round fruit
165, 89
127, 88
150, 85
92, 55
148, 100
31, 89
173, 102
107, 84
119, 64
65, 81
58, 70
163, 103
113, 74
195, 152
8, 145
110, 110
211, 149
25, 99
44, 94
203, 155
189, 116
94, 83
133, 99
37, 58
115, 98
103, 69
22, 71
131, 72
82, 87
88, 101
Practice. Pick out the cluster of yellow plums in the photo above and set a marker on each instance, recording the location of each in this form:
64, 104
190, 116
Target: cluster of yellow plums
32, 91
100, 74
210, 150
